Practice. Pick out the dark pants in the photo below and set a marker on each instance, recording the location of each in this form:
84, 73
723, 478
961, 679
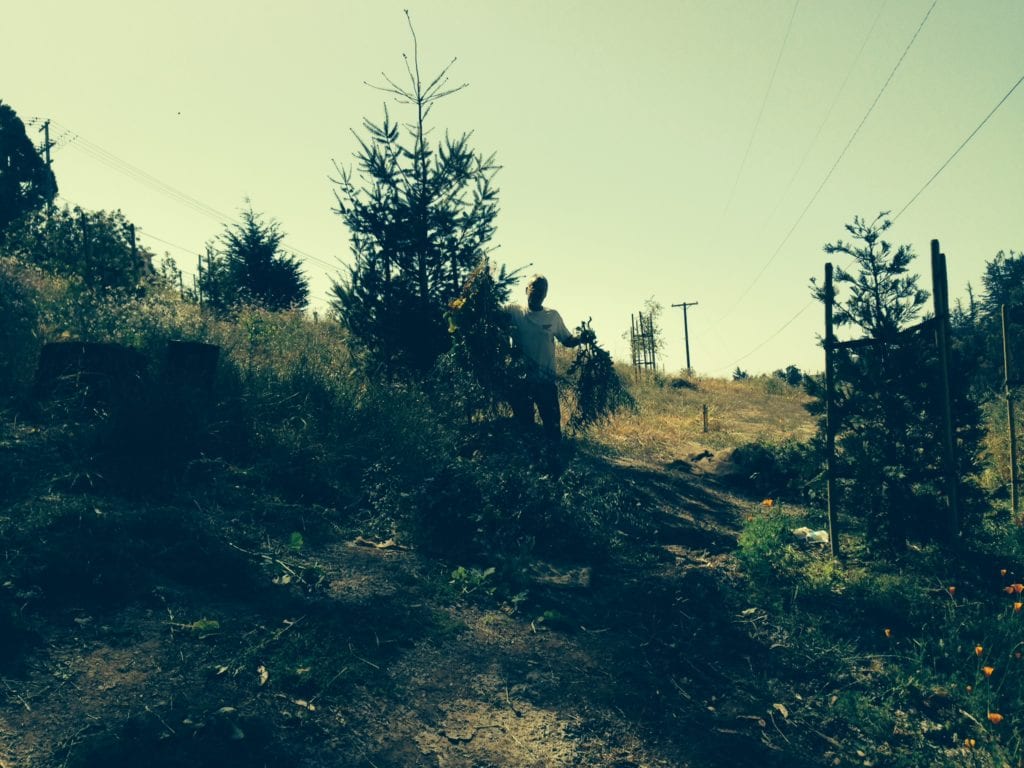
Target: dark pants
545, 396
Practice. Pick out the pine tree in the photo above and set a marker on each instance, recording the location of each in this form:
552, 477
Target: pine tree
420, 217
887, 398
247, 265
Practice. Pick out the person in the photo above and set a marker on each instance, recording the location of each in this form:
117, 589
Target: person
534, 330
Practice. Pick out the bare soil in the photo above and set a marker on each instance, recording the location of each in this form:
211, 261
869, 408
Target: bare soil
197, 633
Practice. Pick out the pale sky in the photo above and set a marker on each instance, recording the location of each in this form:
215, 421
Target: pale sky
663, 150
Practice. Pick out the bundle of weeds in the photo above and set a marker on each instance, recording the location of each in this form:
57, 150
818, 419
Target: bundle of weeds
593, 386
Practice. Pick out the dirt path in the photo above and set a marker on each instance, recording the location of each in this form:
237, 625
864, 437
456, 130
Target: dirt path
215, 647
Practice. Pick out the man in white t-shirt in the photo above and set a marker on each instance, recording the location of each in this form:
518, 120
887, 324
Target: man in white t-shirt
535, 330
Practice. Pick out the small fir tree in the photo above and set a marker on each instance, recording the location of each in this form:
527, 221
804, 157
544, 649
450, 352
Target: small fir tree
420, 215
247, 265
888, 394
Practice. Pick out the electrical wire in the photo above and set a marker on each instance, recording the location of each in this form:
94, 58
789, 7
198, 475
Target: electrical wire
116, 163
824, 121
962, 145
935, 175
831, 170
760, 114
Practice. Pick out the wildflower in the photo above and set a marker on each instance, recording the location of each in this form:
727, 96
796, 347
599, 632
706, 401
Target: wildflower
1008, 590
888, 632
978, 650
457, 304
1018, 588
969, 688
952, 591
1002, 571
1017, 607
988, 671
969, 743
768, 503
995, 718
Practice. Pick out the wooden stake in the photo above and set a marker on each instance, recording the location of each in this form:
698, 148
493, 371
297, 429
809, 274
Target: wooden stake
830, 425
705, 409
940, 291
1010, 417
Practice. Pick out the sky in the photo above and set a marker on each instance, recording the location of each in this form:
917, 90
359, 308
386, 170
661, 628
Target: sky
668, 151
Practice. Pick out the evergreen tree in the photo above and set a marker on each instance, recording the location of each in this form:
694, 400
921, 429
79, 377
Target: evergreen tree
888, 393
247, 265
26, 183
420, 216
93, 245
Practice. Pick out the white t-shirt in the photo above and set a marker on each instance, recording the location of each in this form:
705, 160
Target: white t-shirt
535, 333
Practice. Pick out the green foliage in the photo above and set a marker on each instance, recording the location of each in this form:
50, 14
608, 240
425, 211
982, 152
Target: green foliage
766, 550
420, 217
792, 375
249, 266
739, 374
466, 581
26, 183
94, 247
482, 367
888, 395
790, 469
593, 386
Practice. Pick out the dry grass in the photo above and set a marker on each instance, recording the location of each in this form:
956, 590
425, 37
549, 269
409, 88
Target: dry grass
668, 422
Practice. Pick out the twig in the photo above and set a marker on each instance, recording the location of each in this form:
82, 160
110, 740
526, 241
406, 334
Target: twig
18, 696
162, 721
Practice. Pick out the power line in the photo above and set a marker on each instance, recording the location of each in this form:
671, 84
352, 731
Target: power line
760, 114
828, 113
935, 175
831, 170
962, 145
111, 160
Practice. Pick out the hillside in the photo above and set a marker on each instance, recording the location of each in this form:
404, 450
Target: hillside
218, 624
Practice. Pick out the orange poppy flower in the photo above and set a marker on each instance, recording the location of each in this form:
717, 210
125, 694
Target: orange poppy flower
952, 591
1002, 571
995, 718
1017, 607
888, 632
768, 503
1018, 587
978, 650
1009, 590
988, 671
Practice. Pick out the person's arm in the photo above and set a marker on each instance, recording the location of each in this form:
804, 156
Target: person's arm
569, 339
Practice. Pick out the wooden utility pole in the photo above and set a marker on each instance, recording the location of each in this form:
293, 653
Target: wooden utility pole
45, 130
686, 331
1009, 383
940, 291
830, 424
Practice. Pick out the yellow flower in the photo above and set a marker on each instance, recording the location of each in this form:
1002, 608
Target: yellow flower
768, 503
1002, 571
978, 650
995, 718
888, 632
988, 671
969, 743
1017, 607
